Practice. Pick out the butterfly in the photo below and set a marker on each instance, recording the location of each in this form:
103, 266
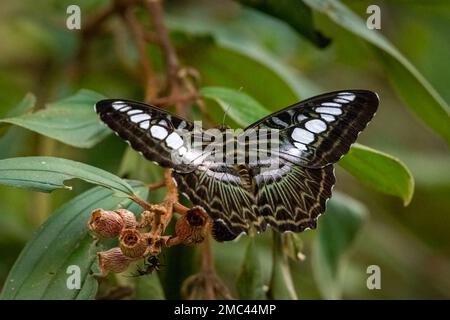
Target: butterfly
285, 187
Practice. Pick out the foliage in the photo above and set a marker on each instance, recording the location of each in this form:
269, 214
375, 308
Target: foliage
239, 68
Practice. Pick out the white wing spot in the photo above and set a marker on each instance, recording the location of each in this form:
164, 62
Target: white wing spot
327, 117
316, 126
163, 123
182, 151
347, 95
139, 118
331, 104
302, 135
340, 100
301, 117
279, 122
192, 155
134, 111
145, 125
118, 105
334, 111
300, 146
158, 132
174, 140
295, 151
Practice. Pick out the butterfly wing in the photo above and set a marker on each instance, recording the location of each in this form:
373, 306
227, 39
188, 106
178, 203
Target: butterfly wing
319, 131
293, 197
218, 189
313, 135
157, 134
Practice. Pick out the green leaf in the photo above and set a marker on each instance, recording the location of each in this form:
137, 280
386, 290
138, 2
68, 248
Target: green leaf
380, 171
24, 106
46, 174
250, 284
293, 12
40, 271
336, 232
12, 139
281, 283
214, 45
239, 106
412, 87
72, 120
149, 288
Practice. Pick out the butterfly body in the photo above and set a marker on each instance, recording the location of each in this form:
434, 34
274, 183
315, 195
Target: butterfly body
278, 171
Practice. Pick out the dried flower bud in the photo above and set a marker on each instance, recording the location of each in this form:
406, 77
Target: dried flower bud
105, 224
113, 260
128, 218
183, 229
132, 243
191, 228
197, 216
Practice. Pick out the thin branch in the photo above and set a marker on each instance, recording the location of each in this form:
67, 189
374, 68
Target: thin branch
179, 208
174, 81
164, 101
172, 64
156, 185
137, 32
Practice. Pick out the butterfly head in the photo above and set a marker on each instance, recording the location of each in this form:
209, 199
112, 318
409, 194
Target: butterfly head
223, 127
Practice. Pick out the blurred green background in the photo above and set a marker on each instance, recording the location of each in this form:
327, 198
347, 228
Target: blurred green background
239, 47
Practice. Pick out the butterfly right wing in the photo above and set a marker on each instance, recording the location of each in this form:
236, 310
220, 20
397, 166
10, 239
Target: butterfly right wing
218, 189
318, 131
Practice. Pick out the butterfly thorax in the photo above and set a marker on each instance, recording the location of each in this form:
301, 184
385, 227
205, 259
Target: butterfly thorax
246, 176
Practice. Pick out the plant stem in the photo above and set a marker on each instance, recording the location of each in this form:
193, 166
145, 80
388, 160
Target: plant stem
137, 32
281, 283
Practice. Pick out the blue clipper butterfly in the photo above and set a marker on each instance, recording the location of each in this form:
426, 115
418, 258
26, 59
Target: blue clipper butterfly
249, 193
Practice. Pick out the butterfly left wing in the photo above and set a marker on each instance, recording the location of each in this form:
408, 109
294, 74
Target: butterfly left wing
157, 134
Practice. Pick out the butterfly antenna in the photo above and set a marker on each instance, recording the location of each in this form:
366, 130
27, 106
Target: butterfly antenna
225, 115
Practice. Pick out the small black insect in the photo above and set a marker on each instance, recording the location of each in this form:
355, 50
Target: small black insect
150, 265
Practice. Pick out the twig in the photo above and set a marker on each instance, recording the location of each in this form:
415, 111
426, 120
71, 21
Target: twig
170, 199
172, 64
137, 32
179, 208
144, 204
91, 28
156, 185
174, 81
169, 100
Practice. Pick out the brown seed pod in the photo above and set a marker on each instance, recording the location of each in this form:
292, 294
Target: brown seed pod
105, 224
113, 260
183, 229
132, 243
192, 227
197, 216
128, 218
